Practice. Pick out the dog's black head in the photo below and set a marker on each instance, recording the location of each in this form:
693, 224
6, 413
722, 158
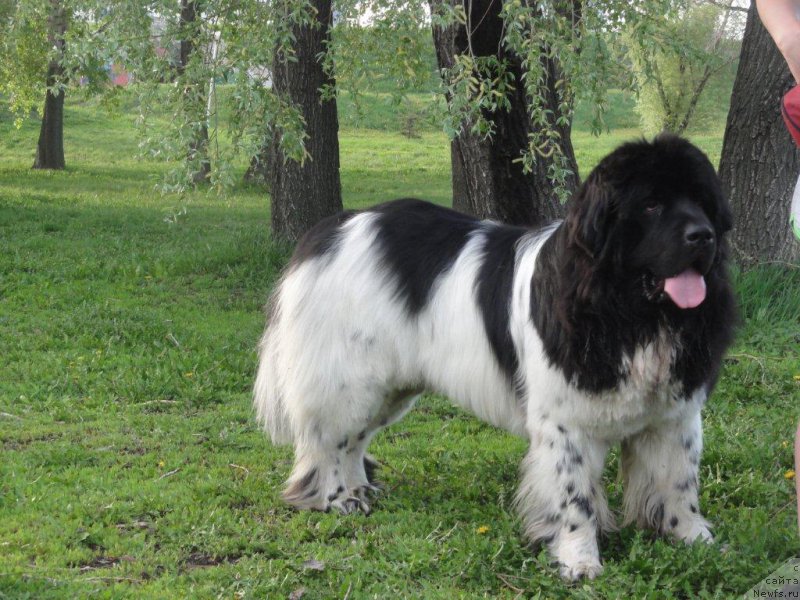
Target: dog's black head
641, 255
652, 217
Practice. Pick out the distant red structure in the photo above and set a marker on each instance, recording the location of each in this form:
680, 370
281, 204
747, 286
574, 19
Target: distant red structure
119, 76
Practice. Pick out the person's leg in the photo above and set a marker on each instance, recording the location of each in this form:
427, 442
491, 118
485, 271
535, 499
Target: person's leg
796, 470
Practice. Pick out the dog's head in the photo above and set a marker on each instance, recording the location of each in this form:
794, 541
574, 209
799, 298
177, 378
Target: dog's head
652, 216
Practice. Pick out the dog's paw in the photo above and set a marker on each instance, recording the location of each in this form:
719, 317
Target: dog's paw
367, 491
350, 504
581, 570
577, 557
691, 531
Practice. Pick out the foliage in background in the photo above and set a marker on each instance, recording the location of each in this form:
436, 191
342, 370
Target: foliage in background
233, 42
390, 51
377, 45
677, 58
24, 55
25, 52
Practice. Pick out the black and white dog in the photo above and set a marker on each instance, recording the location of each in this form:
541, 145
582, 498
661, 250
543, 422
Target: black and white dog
607, 327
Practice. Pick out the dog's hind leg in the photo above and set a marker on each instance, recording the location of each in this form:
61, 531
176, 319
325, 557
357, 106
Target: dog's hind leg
332, 469
361, 466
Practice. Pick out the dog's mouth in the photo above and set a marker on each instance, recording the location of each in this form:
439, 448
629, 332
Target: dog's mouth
686, 289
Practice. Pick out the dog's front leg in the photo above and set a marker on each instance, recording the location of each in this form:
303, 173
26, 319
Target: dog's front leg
660, 468
561, 499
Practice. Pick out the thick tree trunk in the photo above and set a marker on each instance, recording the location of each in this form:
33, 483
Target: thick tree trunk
194, 94
303, 194
488, 181
760, 163
50, 148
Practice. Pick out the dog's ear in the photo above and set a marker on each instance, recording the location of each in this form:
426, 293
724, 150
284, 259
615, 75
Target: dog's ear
590, 215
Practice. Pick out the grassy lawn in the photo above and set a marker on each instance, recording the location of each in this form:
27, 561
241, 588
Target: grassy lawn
131, 463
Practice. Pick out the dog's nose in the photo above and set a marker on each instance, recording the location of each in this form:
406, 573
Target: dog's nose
698, 234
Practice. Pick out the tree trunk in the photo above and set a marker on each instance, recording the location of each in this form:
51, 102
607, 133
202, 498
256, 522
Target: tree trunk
303, 194
488, 181
194, 96
50, 148
760, 163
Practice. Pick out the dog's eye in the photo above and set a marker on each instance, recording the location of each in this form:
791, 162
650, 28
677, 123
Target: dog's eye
653, 208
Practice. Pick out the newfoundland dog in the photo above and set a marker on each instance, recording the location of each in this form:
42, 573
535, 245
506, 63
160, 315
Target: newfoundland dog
607, 327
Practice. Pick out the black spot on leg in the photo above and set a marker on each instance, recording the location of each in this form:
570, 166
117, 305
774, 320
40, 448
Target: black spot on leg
548, 539
552, 518
686, 484
657, 515
342, 444
575, 456
570, 487
370, 466
307, 479
673, 522
688, 443
362, 435
583, 504
562, 429
552, 444
564, 504
693, 508
573, 527
310, 494
334, 495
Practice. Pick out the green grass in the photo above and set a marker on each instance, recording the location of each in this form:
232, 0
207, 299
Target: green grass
131, 464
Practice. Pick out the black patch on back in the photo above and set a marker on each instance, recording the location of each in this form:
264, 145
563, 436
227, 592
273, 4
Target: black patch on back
493, 289
420, 241
323, 238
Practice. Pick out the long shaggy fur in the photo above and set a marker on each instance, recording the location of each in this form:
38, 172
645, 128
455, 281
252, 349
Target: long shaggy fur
567, 336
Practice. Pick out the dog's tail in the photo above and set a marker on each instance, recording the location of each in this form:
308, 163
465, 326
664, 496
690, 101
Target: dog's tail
268, 398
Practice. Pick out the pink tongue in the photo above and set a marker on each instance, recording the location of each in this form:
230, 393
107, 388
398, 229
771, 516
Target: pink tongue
687, 290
